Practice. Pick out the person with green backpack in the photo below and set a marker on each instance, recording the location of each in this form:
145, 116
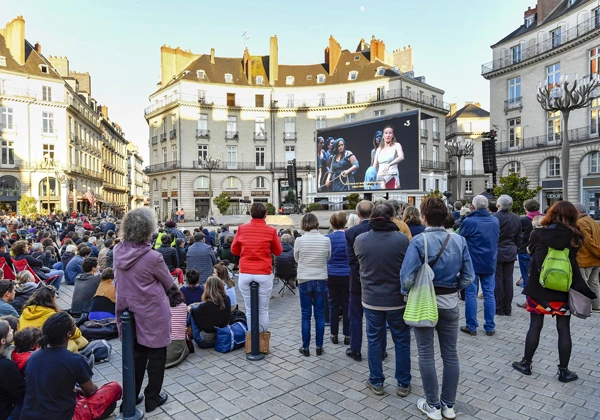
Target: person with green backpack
552, 273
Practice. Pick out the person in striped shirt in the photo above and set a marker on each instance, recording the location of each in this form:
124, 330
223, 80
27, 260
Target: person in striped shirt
178, 350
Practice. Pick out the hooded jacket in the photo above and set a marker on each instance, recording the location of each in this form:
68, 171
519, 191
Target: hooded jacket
86, 285
22, 293
141, 281
36, 316
481, 231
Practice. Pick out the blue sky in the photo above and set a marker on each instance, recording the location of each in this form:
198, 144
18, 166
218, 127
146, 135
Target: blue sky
119, 42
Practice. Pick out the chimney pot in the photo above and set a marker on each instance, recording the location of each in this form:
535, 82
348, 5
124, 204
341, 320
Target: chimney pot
38, 47
212, 56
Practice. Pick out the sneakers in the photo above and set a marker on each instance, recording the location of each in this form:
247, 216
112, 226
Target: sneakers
402, 391
432, 413
377, 389
565, 375
448, 412
523, 366
355, 355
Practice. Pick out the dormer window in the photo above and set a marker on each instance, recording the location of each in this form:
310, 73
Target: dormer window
529, 21
320, 78
259, 80
571, 2
2, 61
201, 74
380, 71
309, 77
228, 78
44, 68
289, 80
352, 75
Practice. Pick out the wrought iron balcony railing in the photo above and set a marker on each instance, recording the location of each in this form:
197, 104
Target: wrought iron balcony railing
435, 164
548, 140
202, 133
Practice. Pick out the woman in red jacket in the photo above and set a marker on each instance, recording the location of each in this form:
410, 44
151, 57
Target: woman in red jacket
254, 243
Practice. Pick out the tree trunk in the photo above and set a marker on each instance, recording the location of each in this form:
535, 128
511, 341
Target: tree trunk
458, 180
565, 156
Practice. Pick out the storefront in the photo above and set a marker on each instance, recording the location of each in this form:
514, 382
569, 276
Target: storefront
551, 193
49, 194
284, 188
260, 196
590, 196
10, 193
201, 203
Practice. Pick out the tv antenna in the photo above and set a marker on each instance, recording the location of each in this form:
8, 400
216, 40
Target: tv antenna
245, 37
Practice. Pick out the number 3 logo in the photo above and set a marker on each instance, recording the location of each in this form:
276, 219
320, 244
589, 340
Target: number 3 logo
407, 123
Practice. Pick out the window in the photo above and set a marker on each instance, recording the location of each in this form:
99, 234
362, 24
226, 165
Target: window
155, 185
201, 96
201, 183
514, 91
290, 101
423, 151
529, 21
356, 57
350, 97
259, 157
379, 113
174, 151
202, 152
164, 125
231, 182
309, 77
321, 121
165, 156
230, 99
259, 80
553, 125
514, 132
381, 93
380, 71
290, 153
163, 184
435, 156
514, 168
173, 184
6, 118
201, 74
48, 150
553, 75
352, 75
228, 78
468, 166
259, 101
173, 121
553, 166
260, 182
595, 54
46, 93
515, 52
468, 186
289, 80
424, 184
321, 99
348, 118
556, 37
570, 3
320, 78
594, 162
231, 157
48, 122
44, 68
155, 154
2, 61
289, 128
260, 131
231, 127
8, 153
437, 184
202, 124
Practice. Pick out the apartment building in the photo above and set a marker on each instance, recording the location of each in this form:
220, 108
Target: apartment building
556, 38
115, 187
253, 115
135, 177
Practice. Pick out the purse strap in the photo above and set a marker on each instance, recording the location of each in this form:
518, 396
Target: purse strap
441, 250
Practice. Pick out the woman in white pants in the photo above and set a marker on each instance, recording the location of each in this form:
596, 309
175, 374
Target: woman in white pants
254, 243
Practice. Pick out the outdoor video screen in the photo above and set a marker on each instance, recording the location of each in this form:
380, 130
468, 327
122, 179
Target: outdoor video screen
377, 154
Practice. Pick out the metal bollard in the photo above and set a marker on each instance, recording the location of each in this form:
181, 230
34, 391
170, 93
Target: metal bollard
130, 411
255, 354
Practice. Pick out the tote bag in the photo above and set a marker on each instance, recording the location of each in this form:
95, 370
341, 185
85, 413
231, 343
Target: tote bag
421, 307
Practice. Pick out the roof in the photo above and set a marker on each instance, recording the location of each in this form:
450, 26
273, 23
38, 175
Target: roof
561, 9
33, 60
468, 111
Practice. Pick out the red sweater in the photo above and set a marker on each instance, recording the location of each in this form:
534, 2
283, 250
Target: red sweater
254, 243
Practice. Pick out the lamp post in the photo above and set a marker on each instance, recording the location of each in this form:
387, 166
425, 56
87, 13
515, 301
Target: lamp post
48, 163
566, 97
459, 147
210, 164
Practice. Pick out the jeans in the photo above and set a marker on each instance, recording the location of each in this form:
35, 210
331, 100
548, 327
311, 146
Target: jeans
356, 316
376, 334
489, 302
524, 261
313, 294
503, 290
590, 275
56, 283
153, 361
58, 266
265, 287
339, 296
447, 331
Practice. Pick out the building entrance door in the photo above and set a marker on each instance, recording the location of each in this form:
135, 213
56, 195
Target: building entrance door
201, 209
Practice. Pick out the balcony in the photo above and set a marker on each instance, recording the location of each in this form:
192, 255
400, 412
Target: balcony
202, 133
161, 167
260, 135
576, 135
468, 172
435, 164
154, 140
163, 137
436, 135
289, 135
252, 166
74, 138
424, 133
232, 135
513, 104
173, 134
538, 48
31, 94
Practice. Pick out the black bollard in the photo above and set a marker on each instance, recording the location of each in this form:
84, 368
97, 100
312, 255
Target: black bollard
130, 411
255, 354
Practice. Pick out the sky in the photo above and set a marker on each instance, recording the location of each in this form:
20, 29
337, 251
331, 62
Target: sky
118, 42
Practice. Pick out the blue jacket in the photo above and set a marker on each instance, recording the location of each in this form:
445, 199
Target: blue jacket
454, 270
110, 226
200, 256
351, 235
481, 231
73, 269
338, 262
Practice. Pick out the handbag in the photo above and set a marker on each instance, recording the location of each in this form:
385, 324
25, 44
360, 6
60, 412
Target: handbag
189, 339
421, 307
264, 338
579, 304
101, 329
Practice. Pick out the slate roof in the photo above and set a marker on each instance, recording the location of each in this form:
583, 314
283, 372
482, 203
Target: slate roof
33, 60
468, 111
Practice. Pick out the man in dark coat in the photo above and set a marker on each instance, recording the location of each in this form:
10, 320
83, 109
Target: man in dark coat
285, 263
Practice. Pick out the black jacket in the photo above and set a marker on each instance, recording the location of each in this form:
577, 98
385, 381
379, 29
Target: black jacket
526, 228
285, 264
351, 235
169, 255
557, 237
510, 235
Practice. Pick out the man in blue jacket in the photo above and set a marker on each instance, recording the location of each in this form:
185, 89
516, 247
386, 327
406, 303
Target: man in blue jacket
481, 231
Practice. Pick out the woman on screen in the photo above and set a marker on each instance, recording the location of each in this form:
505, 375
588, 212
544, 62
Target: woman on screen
342, 166
371, 182
387, 158
321, 162
376, 144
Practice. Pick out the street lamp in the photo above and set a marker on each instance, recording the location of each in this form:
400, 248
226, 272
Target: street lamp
459, 147
210, 164
48, 163
561, 97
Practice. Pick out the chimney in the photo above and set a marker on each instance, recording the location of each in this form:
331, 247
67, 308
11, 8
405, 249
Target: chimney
530, 12
38, 47
477, 104
61, 64
173, 61
247, 64
212, 56
103, 109
377, 49
273, 61
403, 59
545, 8
14, 35
452, 109
333, 54
84, 81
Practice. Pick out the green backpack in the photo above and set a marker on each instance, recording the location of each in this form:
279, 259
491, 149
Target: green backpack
557, 273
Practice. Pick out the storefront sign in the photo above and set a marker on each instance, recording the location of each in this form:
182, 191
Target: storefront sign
234, 193
591, 182
260, 193
201, 194
554, 195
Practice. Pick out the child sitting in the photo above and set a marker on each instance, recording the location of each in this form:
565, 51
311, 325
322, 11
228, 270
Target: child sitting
194, 290
26, 342
14, 323
12, 383
103, 302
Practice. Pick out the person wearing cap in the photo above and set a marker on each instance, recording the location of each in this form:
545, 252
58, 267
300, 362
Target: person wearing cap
201, 257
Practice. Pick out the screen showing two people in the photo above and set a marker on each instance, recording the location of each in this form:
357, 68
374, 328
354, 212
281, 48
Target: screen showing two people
378, 154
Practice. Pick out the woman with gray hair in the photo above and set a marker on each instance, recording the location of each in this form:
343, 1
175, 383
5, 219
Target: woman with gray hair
141, 282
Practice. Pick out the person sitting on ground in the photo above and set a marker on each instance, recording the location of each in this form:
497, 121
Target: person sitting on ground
105, 298
40, 307
170, 257
49, 258
12, 383
7, 295
73, 269
201, 257
26, 342
286, 266
102, 254
20, 251
91, 242
194, 290
213, 311
59, 383
223, 273
178, 350
226, 254
86, 285
110, 253
181, 257
25, 285
13, 321
67, 256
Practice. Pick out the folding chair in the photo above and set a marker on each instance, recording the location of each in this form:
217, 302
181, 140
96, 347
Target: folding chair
286, 284
22, 265
9, 274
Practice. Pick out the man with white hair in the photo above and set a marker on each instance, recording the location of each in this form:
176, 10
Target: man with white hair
508, 246
588, 256
481, 231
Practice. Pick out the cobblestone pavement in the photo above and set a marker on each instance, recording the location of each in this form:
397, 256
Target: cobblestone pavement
287, 385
